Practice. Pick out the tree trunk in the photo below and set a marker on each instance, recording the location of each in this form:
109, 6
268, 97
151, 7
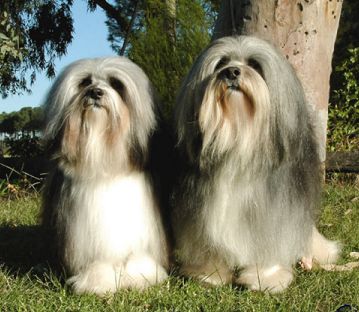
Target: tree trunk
129, 29
304, 30
170, 21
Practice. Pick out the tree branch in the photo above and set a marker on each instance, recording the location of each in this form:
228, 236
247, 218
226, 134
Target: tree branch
112, 12
129, 28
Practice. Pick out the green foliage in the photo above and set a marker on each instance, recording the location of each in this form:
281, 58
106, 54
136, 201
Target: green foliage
11, 53
32, 34
25, 146
9, 39
346, 37
343, 120
123, 18
167, 45
22, 128
26, 120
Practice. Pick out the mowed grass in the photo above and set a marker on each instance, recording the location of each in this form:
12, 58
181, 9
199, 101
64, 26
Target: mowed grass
28, 284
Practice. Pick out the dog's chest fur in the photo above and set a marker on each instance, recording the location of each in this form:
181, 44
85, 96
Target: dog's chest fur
111, 218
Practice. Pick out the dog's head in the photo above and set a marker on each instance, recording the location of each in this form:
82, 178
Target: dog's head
100, 113
241, 94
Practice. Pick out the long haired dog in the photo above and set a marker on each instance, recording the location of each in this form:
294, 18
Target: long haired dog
251, 182
99, 199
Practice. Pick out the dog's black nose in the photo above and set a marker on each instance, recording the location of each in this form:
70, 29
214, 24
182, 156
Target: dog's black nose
231, 73
95, 93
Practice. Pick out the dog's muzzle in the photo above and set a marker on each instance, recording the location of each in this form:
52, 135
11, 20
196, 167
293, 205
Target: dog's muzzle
230, 76
93, 97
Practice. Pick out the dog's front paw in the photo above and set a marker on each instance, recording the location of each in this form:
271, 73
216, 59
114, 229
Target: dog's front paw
98, 278
143, 271
273, 279
102, 277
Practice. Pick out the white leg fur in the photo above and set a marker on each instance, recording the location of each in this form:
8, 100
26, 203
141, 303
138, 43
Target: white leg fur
324, 251
115, 239
273, 279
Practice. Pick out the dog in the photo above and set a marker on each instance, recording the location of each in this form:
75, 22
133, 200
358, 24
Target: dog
99, 201
248, 194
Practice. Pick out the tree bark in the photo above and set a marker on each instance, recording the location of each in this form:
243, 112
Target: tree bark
305, 30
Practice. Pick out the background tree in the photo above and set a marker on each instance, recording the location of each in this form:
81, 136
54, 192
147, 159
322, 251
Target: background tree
10, 50
20, 132
123, 17
343, 121
25, 122
35, 121
32, 33
347, 37
304, 30
166, 53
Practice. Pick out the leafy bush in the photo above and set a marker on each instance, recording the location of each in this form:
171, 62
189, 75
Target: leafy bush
343, 119
25, 146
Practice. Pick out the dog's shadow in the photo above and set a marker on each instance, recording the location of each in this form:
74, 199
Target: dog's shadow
24, 250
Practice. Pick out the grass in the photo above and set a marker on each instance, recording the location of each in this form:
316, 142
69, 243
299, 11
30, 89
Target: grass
27, 283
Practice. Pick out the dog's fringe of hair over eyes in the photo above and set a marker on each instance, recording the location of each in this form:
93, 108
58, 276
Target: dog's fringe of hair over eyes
251, 184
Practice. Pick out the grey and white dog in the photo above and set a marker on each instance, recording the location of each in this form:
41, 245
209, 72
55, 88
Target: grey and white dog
100, 200
250, 186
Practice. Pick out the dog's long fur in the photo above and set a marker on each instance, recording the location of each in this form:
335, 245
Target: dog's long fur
251, 184
99, 200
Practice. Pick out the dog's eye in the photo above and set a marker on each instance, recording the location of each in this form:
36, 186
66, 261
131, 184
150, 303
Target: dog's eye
256, 66
117, 85
222, 62
85, 82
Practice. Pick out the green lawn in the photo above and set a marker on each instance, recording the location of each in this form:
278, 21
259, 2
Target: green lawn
27, 284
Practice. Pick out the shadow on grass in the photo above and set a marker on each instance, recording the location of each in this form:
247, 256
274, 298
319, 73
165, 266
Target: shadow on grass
24, 250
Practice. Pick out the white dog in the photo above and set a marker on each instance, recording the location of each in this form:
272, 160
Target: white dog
99, 199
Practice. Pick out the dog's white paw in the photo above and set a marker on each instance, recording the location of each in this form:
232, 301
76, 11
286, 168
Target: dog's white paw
103, 277
143, 271
98, 278
273, 279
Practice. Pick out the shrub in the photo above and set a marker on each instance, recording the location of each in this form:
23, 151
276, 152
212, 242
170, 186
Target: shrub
25, 146
343, 115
